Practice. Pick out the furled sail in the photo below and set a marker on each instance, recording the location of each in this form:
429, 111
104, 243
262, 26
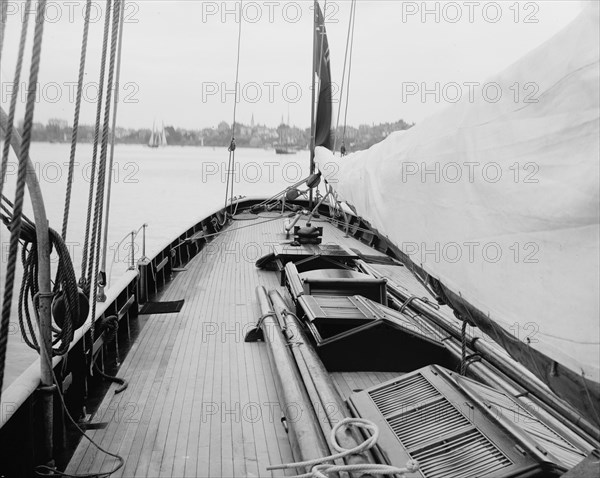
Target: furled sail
323, 136
496, 200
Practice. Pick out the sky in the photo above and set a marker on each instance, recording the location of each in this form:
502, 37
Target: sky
179, 57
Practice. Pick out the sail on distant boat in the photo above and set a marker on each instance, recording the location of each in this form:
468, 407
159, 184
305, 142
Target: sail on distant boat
284, 146
158, 137
164, 135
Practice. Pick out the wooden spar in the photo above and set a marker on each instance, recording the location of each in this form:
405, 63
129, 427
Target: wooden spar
316, 374
305, 436
319, 407
559, 409
45, 295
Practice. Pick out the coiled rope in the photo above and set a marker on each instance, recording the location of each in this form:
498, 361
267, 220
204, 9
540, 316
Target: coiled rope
28, 293
66, 281
320, 469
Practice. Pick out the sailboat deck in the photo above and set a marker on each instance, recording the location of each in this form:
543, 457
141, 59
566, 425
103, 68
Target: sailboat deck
201, 401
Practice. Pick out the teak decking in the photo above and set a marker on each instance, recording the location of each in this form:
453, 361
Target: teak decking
201, 401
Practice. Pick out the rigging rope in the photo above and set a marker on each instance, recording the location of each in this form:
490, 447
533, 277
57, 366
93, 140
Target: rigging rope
231, 148
349, 76
3, 15
15, 227
3, 18
112, 138
337, 122
8, 207
84, 42
319, 467
86, 263
13, 100
99, 205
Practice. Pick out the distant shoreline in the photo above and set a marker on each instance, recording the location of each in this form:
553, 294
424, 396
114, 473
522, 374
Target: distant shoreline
252, 136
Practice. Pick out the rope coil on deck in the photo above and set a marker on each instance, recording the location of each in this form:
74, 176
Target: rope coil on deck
320, 468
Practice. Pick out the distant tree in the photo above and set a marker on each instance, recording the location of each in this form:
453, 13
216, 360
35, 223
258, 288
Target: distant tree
173, 136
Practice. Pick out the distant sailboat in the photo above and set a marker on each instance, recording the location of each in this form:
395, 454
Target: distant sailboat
158, 137
284, 150
284, 146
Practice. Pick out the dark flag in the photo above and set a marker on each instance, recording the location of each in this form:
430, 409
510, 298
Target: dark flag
323, 134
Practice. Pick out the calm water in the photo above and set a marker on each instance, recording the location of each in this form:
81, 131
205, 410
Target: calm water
169, 188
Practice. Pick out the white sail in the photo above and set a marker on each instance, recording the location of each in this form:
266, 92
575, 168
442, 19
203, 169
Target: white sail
158, 137
163, 136
499, 200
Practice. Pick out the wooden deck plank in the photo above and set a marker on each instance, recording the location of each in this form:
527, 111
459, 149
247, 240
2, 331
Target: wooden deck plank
175, 450
108, 409
165, 348
131, 444
369, 379
153, 442
342, 386
113, 408
257, 412
131, 447
176, 454
190, 439
253, 437
215, 458
162, 461
346, 382
207, 405
197, 406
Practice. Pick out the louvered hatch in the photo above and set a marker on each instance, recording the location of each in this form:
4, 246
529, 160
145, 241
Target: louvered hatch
565, 454
424, 416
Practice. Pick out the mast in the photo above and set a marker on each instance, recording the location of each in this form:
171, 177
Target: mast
312, 103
